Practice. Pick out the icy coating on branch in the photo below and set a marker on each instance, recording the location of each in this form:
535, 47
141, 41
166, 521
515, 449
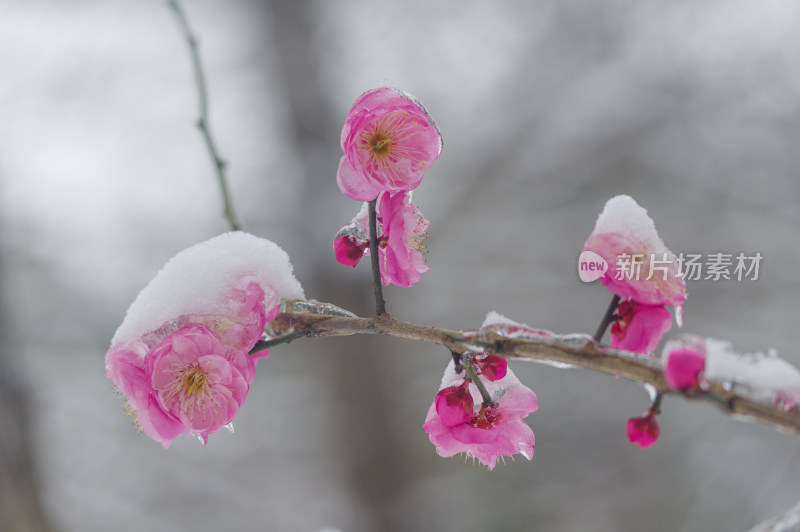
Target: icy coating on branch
198, 280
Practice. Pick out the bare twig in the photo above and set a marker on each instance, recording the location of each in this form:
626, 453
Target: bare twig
202, 123
572, 350
607, 319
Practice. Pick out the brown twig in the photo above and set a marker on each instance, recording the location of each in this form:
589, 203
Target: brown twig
202, 122
572, 350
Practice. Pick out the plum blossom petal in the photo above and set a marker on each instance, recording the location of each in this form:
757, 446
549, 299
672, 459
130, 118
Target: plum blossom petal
401, 252
389, 140
491, 431
640, 327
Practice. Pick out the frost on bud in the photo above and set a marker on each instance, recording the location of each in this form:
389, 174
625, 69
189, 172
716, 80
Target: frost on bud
643, 431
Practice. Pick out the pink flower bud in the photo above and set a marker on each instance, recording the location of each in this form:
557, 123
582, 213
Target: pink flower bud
683, 367
454, 404
349, 250
492, 367
643, 431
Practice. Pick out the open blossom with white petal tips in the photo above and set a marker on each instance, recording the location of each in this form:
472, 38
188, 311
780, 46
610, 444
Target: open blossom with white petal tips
389, 140
639, 327
458, 422
401, 230
640, 266
180, 356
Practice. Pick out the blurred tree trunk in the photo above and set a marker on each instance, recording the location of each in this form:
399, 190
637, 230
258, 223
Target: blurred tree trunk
354, 368
20, 510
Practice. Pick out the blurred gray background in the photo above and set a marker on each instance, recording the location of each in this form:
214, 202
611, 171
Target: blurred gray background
547, 109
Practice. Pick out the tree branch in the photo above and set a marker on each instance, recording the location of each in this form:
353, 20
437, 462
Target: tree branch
575, 350
202, 123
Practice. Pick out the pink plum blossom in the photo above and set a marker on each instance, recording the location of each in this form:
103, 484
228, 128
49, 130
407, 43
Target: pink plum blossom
640, 327
643, 431
190, 383
191, 375
486, 432
640, 266
196, 380
401, 231
389, 140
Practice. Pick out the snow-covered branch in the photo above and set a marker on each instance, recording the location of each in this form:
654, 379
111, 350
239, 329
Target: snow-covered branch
573, 350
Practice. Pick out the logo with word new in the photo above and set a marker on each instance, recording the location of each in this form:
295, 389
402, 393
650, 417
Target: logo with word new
591, 266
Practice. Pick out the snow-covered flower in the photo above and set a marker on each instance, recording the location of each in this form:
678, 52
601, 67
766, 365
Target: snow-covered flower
643, 431
459, 424
639, 327
180, 356
401, 231
389, 140
640, 266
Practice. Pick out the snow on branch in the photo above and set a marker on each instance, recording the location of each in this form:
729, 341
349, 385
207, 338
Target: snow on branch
572, 350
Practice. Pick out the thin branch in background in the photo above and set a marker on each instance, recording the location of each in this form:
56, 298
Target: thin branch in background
202, 123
